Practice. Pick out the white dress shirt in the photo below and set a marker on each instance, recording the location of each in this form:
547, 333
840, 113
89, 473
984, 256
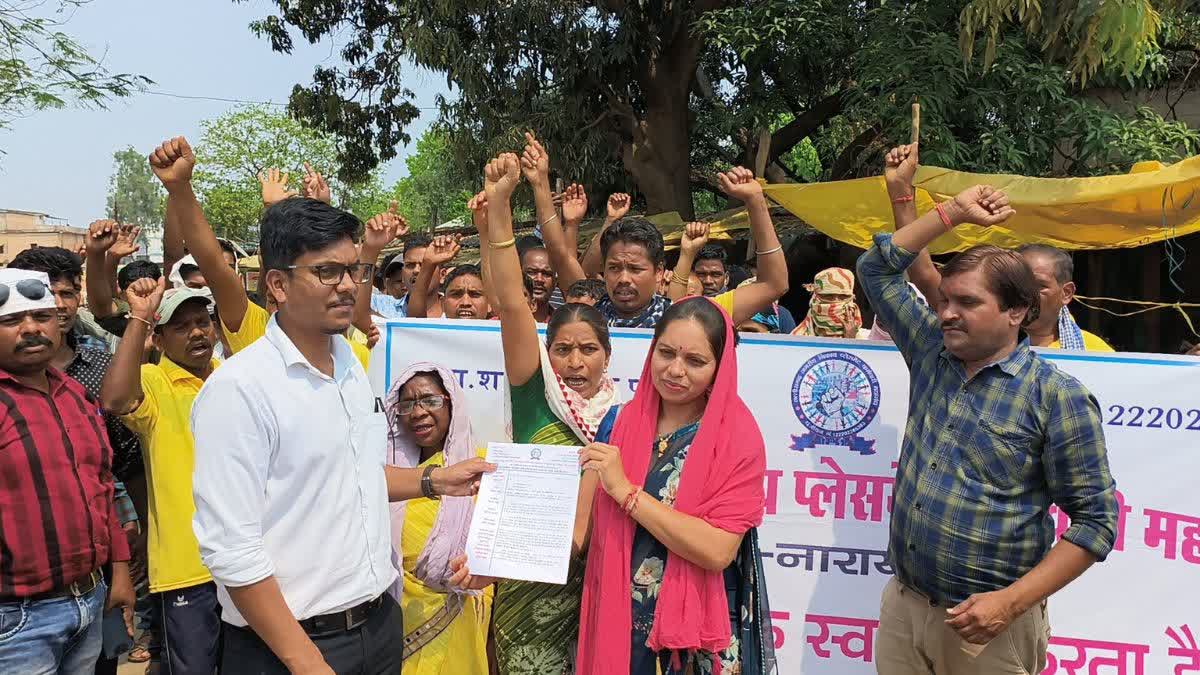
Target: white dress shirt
289, 478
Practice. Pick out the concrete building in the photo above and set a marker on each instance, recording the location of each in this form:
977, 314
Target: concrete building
20, 230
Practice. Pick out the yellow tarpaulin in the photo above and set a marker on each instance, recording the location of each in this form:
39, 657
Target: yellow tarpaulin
1071, 213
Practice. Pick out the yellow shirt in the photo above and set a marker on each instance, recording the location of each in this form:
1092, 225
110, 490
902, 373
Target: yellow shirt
163, 423
1091, 343
254, 326
725, 300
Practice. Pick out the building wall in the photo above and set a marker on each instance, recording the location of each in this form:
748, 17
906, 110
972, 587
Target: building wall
20, 230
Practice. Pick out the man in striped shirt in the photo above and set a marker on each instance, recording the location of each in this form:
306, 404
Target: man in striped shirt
58, 526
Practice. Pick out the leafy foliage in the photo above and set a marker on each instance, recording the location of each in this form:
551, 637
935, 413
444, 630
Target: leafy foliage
236, 146
42, 67
134, 194
431, 193
658, 95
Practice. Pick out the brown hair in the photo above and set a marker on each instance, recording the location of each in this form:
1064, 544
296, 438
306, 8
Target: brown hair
1008, 277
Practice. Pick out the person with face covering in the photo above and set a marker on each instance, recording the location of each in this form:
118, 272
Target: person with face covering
832, 311
446, 629
674, 580
558, 394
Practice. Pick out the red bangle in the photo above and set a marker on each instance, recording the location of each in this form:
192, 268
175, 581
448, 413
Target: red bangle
901, 200
630, 501
941, 210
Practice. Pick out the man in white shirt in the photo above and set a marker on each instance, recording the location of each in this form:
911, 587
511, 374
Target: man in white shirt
290, 485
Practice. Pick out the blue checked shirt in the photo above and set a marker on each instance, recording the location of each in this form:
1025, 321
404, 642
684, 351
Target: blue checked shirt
388, 307
983, 459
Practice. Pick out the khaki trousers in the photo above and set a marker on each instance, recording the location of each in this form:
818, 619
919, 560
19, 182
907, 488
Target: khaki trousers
913, 639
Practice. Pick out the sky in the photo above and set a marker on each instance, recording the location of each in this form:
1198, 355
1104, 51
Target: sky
59, 161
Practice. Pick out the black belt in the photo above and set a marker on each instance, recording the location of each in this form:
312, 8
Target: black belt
340, 622
75, 589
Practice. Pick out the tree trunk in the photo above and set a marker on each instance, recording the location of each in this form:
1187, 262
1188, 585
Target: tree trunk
658, 159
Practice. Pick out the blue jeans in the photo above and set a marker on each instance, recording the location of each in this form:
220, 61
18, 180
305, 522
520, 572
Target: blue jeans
61, 636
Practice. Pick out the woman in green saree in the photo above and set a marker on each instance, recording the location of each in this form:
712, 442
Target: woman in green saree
559, 393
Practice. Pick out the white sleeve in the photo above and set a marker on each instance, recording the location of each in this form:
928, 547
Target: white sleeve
233, 433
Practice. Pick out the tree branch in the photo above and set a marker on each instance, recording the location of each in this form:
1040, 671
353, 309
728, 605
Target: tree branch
844, 164
805, 125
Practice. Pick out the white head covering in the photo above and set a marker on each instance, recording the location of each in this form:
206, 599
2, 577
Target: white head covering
21, 284
175, 278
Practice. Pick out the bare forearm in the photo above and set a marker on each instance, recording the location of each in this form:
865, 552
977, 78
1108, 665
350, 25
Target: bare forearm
226, 286
172, 236
687, 536
99, 284
505, 266
562, 255
922, 272
122, 385
1062, 565
418, 300
402, 484
361, 317
591, 262
923, 231
772, 268
263, 607
683, 269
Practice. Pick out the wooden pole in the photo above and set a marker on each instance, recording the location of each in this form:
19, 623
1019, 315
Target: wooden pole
916, 123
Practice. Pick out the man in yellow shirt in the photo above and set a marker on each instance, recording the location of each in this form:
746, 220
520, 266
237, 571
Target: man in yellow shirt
1055, 327
155, 402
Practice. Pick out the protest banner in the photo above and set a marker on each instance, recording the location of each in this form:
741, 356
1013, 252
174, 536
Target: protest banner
833, 413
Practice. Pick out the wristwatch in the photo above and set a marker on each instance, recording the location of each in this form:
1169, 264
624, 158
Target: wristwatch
427, 482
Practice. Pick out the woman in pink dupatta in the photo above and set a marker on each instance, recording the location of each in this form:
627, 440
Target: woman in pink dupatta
674, 581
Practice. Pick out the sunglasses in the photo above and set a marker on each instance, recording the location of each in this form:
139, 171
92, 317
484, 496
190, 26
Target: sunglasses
330, 274
432, 402
32, 289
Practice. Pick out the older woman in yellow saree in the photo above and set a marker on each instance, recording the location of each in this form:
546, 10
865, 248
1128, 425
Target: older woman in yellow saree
446, 629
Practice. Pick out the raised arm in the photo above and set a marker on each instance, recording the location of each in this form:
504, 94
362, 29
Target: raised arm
535, 163
981, 204
380, 230
173, 163
900, 165
695, 236
121, 390
618, 206
101, 236
518, 331
314, 185
479, 205
772, 280
441, 250
274, 184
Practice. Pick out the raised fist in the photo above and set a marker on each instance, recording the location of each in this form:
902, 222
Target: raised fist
101, 236
739, 183
695, 236
981, 205
144, 297
501, 176
900, 165
535, 161
173, 162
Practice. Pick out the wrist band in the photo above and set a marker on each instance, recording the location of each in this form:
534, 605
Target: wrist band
676, 279
901, 200
138, 318
497, 245
777, 249
630, 501
427, 482
547, 221
941, 210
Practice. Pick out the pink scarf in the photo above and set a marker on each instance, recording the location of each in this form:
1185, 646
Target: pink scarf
722, 483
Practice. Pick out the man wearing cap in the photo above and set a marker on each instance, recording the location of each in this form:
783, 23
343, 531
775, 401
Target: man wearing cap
58, 526
155, 402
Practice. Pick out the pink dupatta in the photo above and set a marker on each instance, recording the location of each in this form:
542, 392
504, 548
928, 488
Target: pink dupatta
722, 483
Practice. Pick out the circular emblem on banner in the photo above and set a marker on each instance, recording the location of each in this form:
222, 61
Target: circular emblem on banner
835, 394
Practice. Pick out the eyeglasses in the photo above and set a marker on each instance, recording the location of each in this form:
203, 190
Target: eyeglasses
32, 289
430, 402
330, 274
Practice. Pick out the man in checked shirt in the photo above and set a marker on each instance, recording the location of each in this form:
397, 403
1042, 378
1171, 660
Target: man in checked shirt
58, 526
995, 435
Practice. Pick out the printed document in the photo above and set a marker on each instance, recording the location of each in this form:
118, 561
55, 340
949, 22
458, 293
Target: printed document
525, 513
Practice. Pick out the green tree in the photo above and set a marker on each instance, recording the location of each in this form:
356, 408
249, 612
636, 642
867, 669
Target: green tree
134, 194
431, 193
661, 93
235, 147
43, 67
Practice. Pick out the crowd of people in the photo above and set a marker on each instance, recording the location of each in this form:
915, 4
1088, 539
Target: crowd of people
290, 522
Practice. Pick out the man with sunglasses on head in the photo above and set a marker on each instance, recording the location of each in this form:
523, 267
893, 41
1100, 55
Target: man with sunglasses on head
58, 524
290, 486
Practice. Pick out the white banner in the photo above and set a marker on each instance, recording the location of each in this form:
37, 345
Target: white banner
830, 470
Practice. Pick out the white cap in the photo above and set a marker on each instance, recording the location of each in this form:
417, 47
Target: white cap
19, 286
